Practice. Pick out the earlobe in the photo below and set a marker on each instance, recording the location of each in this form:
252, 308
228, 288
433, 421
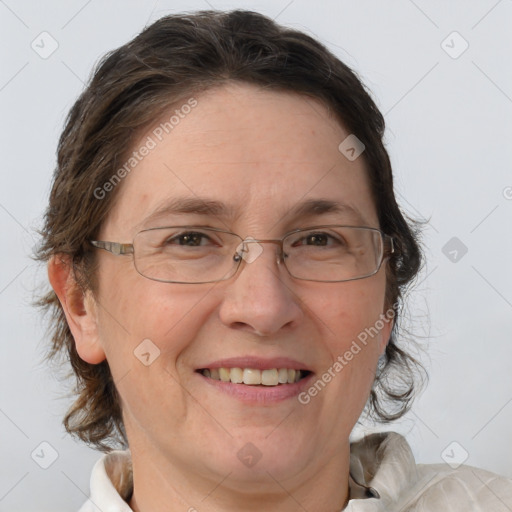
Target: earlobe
79, 307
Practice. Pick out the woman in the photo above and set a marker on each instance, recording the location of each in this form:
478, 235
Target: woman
228, 258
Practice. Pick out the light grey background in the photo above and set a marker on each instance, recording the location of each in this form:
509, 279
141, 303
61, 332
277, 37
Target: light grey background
449, 128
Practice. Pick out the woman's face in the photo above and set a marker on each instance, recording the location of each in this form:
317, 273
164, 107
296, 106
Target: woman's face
261, 154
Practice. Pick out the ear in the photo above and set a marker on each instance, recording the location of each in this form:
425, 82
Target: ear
79, 307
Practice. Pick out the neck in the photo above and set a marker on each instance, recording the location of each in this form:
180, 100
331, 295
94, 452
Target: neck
162, 485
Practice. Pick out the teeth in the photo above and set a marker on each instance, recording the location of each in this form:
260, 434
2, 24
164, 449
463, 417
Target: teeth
254, 377
282, 375
270, 377
224, 374
237, 375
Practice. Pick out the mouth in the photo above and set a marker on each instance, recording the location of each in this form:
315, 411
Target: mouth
255, 380
272, 377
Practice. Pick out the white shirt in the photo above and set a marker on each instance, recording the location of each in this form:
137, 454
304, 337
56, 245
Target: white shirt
383, 478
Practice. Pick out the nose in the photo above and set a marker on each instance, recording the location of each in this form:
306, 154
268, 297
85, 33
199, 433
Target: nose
260, 297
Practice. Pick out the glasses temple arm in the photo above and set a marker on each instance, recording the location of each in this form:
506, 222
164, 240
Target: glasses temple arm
389, 245
113, 247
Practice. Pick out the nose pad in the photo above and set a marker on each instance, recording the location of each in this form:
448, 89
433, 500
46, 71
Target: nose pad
249, 249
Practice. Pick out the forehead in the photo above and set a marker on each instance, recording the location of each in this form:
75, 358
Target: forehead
256, 155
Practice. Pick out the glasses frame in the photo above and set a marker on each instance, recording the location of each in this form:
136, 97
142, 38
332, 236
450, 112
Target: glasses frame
121, 249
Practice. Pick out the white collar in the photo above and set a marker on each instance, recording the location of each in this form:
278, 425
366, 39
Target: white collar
383, 460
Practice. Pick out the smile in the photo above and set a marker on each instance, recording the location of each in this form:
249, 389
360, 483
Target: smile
255, 377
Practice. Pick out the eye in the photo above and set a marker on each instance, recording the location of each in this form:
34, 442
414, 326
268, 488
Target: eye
319, 239
188, 239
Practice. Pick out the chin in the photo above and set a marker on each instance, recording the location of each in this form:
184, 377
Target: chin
260, 452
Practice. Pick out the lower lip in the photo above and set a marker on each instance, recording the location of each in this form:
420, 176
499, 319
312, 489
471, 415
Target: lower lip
259, 394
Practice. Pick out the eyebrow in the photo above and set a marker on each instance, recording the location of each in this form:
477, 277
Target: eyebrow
191, 205
313, 207
213, 208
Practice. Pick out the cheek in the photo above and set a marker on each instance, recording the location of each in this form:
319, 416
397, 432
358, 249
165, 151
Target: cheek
353, 339
138, 316
147, 328
352, 312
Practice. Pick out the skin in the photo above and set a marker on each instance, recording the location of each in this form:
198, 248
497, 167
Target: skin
261, 152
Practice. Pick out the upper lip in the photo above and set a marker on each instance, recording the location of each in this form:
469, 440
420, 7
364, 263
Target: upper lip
258, 363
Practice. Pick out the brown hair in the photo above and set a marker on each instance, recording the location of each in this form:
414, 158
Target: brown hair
175, 57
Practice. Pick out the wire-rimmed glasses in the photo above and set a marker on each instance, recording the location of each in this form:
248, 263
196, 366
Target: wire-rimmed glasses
196, 254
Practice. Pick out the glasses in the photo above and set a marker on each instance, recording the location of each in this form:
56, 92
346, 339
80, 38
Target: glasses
196, 255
